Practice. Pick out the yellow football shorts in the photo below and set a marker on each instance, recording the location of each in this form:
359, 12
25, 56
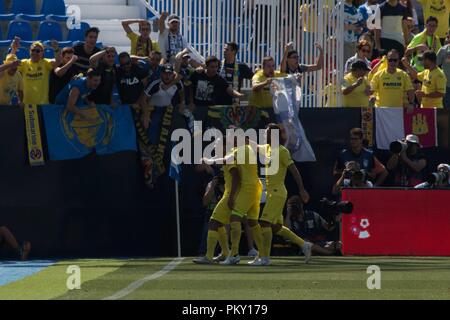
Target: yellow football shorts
247, 204
273, 209
221, 212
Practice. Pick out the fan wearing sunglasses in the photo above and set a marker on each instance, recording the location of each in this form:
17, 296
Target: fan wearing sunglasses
36, 71
363, 53
392, 86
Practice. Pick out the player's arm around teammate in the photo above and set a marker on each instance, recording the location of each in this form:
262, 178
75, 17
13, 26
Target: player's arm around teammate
221, 216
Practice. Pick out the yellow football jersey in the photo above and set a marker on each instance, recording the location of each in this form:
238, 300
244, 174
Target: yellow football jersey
35, 77
390, 89
276, 181
432, 81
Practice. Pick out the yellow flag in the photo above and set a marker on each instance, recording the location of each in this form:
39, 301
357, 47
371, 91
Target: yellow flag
34, 141
382, 65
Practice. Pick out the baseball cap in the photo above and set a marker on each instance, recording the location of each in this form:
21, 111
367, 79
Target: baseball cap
412, 138
374, 62
359, 65
167, 68
186, 55
174, 17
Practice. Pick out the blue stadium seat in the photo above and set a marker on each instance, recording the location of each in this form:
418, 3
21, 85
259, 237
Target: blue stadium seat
62, 44
5, 43
22, 53
26, 10
54, 10
57, 7
50, 30
49, 53
20, 29
78, 34
3, 15
23, 43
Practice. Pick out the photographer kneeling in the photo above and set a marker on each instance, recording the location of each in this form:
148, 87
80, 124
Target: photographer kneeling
310, 226
437, 180
352, 177
407, 163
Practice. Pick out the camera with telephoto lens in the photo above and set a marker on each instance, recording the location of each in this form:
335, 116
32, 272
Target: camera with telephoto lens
331, 209
359, 175
336, 207
437, 178
348, 174
398, 146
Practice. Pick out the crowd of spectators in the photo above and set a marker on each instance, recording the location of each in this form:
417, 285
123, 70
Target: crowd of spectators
397, 55
405, 46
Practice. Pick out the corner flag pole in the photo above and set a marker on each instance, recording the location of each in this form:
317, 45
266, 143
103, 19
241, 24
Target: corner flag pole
177, 204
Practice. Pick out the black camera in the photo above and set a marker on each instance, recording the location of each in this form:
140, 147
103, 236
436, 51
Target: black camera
336, 207
398, 146
359, 175
348, 174
436, 178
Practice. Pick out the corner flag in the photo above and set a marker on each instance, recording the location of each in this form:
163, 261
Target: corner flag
175, 171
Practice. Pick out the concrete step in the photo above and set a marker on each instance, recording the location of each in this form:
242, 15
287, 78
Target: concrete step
97, 2
109, 12
106, 15
112, 33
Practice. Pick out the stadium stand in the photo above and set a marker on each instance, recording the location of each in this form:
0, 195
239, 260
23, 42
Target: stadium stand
54, 7
5, 16
50, 30
78, 34
25, 9
108, 21
20, 29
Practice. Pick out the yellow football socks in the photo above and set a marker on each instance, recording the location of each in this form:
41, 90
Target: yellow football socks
223, 241
257, 237
288, 234
213, 237
267, 241
235, 233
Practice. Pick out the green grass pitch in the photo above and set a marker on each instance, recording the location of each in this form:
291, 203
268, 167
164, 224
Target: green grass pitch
286, 278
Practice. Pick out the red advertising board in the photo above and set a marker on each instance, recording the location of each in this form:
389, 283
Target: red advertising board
397, 222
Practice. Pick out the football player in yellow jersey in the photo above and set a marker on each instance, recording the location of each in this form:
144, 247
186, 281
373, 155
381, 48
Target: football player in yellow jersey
221, 214
247, 203
271, 219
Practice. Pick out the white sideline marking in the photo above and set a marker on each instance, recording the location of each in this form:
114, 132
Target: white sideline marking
138, 283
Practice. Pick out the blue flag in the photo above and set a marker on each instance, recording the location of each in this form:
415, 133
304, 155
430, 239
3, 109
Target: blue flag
106, 130
175, 169
175, 172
